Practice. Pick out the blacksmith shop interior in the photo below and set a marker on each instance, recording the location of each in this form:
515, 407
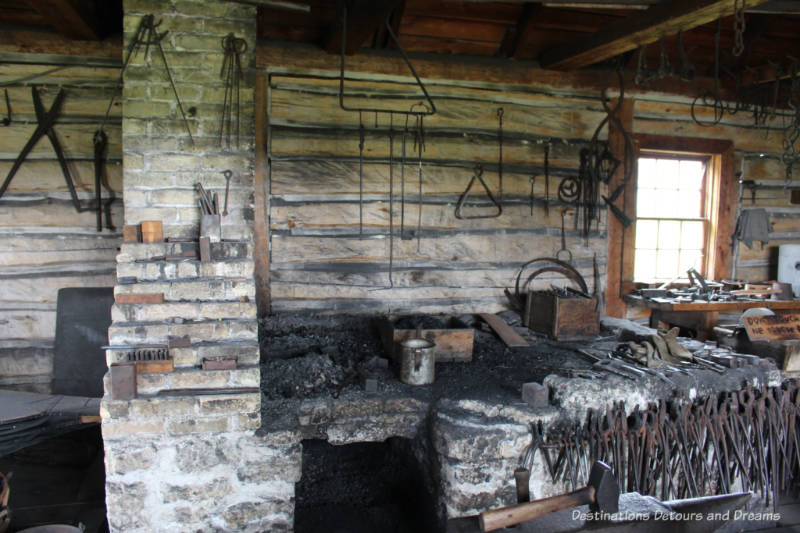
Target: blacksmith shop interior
399, 266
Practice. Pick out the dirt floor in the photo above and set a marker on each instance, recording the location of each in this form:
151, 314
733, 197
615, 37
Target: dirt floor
307, 356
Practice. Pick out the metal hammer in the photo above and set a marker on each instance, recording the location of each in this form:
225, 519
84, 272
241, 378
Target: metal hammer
602, 495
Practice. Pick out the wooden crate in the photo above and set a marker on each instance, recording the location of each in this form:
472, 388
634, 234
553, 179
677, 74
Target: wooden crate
452, 344
562, 318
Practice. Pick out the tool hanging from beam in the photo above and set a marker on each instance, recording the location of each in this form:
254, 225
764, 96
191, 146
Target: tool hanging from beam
418, 111
45, 122
231, 73
477, 177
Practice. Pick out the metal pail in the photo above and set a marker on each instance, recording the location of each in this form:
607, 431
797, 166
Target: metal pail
417, 361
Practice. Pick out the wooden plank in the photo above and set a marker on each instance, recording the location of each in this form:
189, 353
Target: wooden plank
487, 247
615, 255
68, 18
261, 188
363, 18
632, 32
510, 337
459, 71
666, 305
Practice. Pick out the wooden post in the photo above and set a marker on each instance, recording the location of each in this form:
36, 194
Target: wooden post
261, 198
615, 306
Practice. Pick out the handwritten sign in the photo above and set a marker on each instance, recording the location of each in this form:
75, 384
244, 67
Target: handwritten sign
782, 327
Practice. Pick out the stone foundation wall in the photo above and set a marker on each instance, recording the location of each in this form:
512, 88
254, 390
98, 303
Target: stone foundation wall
225, 481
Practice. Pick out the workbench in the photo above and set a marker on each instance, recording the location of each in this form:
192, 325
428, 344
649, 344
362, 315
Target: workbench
698, 315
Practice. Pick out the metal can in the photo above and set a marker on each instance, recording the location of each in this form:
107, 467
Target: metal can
417, 361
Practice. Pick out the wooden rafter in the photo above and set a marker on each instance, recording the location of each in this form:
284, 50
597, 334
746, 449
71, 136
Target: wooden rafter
68, 18
363, 18
643, 28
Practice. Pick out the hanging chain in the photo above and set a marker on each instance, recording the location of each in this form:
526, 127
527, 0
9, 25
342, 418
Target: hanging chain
500, 155
360, 176
738, 28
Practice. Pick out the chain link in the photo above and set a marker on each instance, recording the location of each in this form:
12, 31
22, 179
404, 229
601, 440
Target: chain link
738, 28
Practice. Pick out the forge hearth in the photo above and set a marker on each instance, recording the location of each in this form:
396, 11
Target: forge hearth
363, 488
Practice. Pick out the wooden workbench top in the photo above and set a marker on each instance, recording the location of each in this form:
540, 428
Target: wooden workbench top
665, 304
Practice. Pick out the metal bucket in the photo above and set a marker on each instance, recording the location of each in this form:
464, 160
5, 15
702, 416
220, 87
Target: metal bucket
417, 361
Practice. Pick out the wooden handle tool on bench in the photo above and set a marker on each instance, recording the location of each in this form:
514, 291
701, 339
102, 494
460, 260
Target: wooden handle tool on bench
602, 494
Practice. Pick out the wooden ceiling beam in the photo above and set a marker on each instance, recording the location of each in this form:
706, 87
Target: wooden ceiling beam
70, 19
363, 18
649, 26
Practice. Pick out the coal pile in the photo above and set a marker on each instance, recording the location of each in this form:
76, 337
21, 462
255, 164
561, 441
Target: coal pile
308, 356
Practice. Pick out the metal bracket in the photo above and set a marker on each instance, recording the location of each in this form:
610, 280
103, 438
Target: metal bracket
387, 22
477, 176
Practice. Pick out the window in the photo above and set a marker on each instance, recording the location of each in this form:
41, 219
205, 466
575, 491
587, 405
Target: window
671, 216
717, 199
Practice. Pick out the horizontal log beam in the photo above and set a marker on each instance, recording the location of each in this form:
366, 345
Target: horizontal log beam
643, 28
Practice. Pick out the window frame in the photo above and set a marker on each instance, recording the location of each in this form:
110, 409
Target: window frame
721, 203
705, 216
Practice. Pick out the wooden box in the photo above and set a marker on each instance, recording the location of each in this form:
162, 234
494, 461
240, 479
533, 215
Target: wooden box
452, 344
561, 317
152, 231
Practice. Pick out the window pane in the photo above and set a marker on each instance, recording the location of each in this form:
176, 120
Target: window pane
669, 235
692, 174
691, 259
668, 172
667, 264
646, 173
689, 204
692, 236
646, 203
666, 203
644, 265
646, 233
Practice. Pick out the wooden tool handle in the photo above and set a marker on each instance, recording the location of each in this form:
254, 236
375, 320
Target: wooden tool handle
514, 514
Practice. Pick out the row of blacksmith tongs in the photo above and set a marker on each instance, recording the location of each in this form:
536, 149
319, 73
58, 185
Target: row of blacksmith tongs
739, 440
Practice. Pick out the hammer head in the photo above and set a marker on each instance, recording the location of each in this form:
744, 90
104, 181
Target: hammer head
606, 490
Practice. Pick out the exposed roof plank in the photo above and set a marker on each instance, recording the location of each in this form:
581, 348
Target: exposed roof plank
643, 28
363, 19
68, 19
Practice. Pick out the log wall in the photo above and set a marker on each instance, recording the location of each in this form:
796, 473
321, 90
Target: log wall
45, 244
322, 258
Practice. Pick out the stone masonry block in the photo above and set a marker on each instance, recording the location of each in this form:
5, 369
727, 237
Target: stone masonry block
146, 109
151, 383
163, 161
245, 377
133, 458
200, 379
161, 408
227, 161
198, 425
248, 421
126, 513
240, 516
110, 409
174, 197
216, 489
229, 403
197, 42
226, 10
138, 214
188, 269
124, 429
